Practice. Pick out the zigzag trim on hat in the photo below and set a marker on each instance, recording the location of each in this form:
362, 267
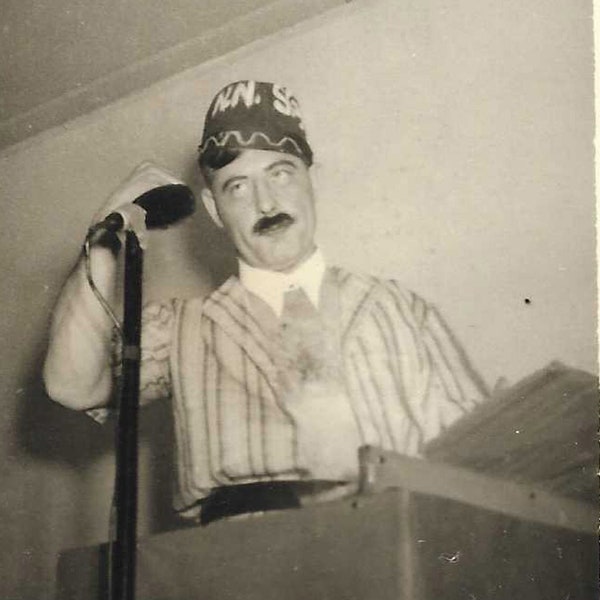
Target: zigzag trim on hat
239, 138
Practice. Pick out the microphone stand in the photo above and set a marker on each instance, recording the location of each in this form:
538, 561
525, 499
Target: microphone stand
123, 555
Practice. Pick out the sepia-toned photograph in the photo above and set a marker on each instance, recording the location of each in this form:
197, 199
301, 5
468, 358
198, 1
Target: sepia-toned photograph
300, 300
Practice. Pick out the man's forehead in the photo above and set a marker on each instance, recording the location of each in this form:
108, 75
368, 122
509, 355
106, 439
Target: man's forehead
262, 160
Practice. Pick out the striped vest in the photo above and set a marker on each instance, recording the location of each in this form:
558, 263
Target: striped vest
403, 379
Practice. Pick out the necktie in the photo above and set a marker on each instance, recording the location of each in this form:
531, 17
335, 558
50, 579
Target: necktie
306, 353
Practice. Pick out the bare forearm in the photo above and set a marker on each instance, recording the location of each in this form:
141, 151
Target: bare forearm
77, 370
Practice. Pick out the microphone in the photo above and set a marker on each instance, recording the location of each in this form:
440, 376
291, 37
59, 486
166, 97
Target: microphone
162, 206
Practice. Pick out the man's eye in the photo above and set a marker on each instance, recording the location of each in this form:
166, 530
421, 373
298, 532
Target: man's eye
237, 188
281, 176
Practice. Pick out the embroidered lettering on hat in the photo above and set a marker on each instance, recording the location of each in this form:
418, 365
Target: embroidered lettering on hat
255, 115
230, 96
286, 104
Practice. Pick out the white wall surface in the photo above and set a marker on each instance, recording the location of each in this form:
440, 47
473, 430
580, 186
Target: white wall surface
454, 152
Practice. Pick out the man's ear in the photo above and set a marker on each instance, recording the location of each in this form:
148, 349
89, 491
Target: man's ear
211, 206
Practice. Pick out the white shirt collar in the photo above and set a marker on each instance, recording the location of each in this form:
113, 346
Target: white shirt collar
271, 286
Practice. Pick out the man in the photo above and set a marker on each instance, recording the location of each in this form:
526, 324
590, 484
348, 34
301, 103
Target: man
281, 374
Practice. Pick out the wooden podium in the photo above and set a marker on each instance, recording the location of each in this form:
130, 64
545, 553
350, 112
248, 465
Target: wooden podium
504, 508
445, 533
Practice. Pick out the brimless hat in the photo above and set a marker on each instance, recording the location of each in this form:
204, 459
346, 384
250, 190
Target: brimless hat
255, 115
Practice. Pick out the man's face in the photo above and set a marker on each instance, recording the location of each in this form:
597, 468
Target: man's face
265, 202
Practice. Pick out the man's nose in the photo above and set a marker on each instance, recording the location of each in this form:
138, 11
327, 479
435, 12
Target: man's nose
266, 202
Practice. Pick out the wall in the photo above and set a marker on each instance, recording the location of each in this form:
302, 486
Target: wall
454, 152
57, 64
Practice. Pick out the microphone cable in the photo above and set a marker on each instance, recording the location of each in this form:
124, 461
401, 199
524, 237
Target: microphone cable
90, 279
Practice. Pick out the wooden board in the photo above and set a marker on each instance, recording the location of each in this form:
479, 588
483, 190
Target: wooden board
541, 431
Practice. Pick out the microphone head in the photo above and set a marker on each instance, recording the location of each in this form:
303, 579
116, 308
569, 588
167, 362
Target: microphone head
166, 204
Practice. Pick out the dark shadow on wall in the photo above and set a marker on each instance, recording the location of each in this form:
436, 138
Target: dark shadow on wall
50, 432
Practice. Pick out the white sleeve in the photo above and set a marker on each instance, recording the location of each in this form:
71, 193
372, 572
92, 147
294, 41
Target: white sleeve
453, 388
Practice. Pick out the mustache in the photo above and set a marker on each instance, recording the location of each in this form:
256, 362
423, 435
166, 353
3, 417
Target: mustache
265, 223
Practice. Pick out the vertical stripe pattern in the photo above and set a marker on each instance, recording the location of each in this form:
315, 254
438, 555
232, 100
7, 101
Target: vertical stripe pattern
405, 380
